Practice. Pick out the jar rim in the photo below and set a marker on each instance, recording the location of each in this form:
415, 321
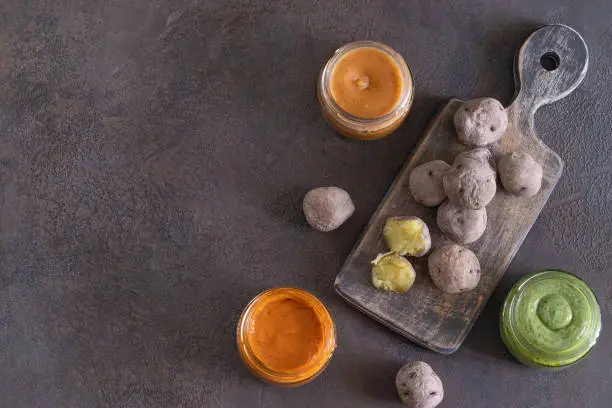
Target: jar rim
557, 358
407, 94
300, 374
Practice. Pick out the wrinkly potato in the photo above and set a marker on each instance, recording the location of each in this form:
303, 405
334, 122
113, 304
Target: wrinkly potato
326, 208
470, 183
520, 174
480, 122
392, 272
481, 154
407, 236
454, 268
460, 224
418, 386
425, 183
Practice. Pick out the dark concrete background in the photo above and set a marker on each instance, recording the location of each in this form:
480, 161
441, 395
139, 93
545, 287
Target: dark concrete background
153, 155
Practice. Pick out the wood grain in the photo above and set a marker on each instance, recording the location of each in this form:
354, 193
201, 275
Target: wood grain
425, 315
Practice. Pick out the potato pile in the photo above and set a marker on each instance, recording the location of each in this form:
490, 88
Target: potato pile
464, 189
461, 191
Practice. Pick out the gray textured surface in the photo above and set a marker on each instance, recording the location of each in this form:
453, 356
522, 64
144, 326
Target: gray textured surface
152, 159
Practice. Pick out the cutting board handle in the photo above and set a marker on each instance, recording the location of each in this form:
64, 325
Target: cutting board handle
549, 66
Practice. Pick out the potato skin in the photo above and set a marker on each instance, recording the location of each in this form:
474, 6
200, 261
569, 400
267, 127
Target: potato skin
470, 183
326, 208
454, 268
425, 183
462, 225
480, 122
520, 174
480, 154
418, 386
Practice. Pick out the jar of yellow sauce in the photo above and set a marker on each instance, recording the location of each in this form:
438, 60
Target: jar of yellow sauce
286, 336
365, 90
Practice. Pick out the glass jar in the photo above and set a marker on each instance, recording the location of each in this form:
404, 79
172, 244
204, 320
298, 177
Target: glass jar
550, 319
247, 339
358, 127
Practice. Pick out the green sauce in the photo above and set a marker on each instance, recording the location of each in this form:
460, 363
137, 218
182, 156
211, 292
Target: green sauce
550, 319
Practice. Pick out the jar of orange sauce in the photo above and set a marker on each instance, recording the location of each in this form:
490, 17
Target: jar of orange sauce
286, 336
365, 90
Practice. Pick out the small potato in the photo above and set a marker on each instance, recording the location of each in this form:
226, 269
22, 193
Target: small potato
480, 122
461, 224
418, 386
425, 183
407, 236
454, 268
392, 272
481, 154
520, 174
326, 208
470, 183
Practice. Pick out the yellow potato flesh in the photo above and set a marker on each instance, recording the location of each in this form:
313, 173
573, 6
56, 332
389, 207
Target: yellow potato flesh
405, 236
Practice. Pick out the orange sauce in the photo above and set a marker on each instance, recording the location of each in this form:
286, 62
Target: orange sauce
366, 83
285, 334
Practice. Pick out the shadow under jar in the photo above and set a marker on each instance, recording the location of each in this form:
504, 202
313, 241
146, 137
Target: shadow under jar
365, 90
286, 336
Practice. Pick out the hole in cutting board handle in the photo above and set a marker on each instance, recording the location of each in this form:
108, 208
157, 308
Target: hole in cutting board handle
550, 61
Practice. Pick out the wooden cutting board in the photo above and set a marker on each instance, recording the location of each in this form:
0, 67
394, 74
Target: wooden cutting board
424, 314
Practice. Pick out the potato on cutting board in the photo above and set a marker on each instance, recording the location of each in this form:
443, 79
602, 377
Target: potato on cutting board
441, 321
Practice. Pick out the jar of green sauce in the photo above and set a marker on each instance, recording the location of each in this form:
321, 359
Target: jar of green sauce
550, 319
